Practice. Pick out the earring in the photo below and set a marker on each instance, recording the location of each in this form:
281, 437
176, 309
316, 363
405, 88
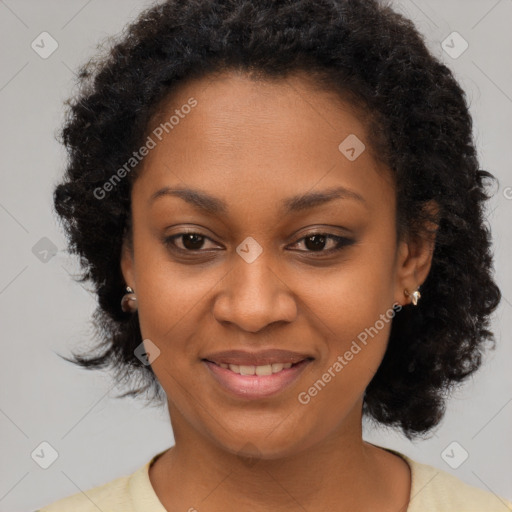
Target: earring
415, 296
129, 301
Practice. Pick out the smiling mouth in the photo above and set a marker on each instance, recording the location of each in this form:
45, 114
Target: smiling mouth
252, 382
266, 369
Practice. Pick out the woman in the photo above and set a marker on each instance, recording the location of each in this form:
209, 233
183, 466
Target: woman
281, 208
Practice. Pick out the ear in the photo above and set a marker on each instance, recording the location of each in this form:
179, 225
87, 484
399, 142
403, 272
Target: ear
127, 266
414, 256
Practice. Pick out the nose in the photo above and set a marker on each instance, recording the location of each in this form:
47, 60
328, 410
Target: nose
254, 295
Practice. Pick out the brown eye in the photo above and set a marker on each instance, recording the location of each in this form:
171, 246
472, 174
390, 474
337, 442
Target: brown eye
192, 241
186, 242
316, 243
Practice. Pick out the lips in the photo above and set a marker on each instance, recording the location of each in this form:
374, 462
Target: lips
256, 375
261, 358
255, 386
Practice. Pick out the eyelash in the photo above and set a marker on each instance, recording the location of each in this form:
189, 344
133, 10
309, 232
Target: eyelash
342, 242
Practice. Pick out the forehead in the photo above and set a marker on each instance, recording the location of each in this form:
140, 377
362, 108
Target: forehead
232, 100
259, 137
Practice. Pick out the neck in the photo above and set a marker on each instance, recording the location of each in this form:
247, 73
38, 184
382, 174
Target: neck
342, 473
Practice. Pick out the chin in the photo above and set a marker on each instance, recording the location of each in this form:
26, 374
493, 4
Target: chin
260, 445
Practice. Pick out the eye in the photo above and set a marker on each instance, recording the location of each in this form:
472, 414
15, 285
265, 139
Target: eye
316, 243
190, 241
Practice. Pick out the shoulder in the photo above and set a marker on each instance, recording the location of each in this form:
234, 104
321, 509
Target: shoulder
130, 493
100, 497
435, 490
112, 496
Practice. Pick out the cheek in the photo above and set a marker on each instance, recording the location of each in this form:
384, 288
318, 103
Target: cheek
353, 312
171, 307
352, 356
353, 295
167, 291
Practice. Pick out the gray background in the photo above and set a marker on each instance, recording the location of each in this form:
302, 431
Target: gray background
43, 311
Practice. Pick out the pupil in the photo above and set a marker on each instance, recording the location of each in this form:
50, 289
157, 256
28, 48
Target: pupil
315, 245
191, 239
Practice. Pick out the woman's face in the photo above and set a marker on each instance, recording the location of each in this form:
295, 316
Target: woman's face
293, 248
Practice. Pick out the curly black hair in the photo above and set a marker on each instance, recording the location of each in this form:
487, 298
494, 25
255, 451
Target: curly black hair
418, 123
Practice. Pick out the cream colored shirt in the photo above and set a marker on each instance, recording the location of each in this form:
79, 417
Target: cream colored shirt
432, 490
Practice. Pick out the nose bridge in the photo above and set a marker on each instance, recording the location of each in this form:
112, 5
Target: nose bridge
254, 280
254, 295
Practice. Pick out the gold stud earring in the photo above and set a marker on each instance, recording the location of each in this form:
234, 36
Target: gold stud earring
129, 301
415, 296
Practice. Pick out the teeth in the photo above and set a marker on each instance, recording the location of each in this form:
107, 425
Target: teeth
277, 367
264, 370
267, 369
247, 370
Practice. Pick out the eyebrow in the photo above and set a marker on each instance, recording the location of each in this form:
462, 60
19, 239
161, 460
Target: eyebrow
215, 206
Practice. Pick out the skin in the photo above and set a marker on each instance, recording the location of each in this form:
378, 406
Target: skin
253, 144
